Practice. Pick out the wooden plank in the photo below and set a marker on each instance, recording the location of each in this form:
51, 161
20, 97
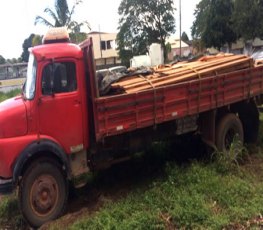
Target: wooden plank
172, 79
191, 73
206, 66
184, 69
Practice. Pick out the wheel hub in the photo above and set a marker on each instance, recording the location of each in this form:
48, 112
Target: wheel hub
44, 195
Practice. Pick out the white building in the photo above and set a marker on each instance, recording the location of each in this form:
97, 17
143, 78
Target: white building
175, 48
104, 45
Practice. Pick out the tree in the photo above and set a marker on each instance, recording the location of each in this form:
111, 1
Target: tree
37, 40
2, 60
61, 16
27, 44
248, 24
184, 37
32, 40
214, 23
201, 16
143, 22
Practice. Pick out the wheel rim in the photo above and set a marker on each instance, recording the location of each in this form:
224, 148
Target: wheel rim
44, 195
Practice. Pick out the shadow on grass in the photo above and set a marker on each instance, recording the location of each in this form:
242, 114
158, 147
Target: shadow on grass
137, 173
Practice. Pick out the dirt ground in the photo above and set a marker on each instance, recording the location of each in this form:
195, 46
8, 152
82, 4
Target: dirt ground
12, 82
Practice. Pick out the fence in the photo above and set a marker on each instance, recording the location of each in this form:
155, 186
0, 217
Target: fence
9, 71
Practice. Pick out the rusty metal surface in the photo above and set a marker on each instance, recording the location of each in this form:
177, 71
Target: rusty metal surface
44, 195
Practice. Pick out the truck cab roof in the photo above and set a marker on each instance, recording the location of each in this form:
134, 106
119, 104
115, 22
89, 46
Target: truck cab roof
56, 50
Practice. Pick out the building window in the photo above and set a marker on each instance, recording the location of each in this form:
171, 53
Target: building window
109, 45
103, 45
106, 45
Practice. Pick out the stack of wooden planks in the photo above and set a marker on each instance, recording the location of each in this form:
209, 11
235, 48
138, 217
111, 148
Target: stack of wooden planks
180, 72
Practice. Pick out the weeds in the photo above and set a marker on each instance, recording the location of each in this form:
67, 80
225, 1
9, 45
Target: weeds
10, 216
195, 196
231, 158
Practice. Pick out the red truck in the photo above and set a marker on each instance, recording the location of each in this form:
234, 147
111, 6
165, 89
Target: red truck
60, 129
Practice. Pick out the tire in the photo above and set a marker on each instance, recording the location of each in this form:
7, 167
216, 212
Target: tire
249, 116
43, 193
227, 129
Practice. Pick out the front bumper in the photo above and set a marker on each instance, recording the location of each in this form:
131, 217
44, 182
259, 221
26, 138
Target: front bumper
6, 186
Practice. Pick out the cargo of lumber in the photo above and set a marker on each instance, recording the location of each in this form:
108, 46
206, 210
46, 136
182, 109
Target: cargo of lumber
183, 71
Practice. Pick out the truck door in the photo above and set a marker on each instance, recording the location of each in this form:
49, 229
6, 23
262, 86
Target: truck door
59, 106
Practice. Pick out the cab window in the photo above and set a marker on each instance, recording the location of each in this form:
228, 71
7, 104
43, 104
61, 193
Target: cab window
59, 77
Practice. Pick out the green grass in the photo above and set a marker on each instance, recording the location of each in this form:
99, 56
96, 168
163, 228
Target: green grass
224, 192
12, 93
10, 217
196, 196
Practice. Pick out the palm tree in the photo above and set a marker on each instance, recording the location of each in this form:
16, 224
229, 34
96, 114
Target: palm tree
62, 16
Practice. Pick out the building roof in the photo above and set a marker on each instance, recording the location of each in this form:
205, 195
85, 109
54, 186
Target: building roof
175, 43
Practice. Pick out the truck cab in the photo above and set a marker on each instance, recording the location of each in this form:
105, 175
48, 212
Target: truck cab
45, 126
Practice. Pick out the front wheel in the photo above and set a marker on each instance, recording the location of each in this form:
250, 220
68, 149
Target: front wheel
228, 128
43, 193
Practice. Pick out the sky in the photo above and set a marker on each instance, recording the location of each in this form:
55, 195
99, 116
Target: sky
17, 19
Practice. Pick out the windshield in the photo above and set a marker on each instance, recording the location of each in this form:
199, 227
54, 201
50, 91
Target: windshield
30, 85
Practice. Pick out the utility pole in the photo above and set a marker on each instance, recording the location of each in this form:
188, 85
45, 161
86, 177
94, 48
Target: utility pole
180, 27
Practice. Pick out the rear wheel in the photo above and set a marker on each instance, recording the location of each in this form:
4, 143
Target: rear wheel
228, 128
43, 192
249, 116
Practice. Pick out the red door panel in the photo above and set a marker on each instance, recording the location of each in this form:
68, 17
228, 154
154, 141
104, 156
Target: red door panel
60, 114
